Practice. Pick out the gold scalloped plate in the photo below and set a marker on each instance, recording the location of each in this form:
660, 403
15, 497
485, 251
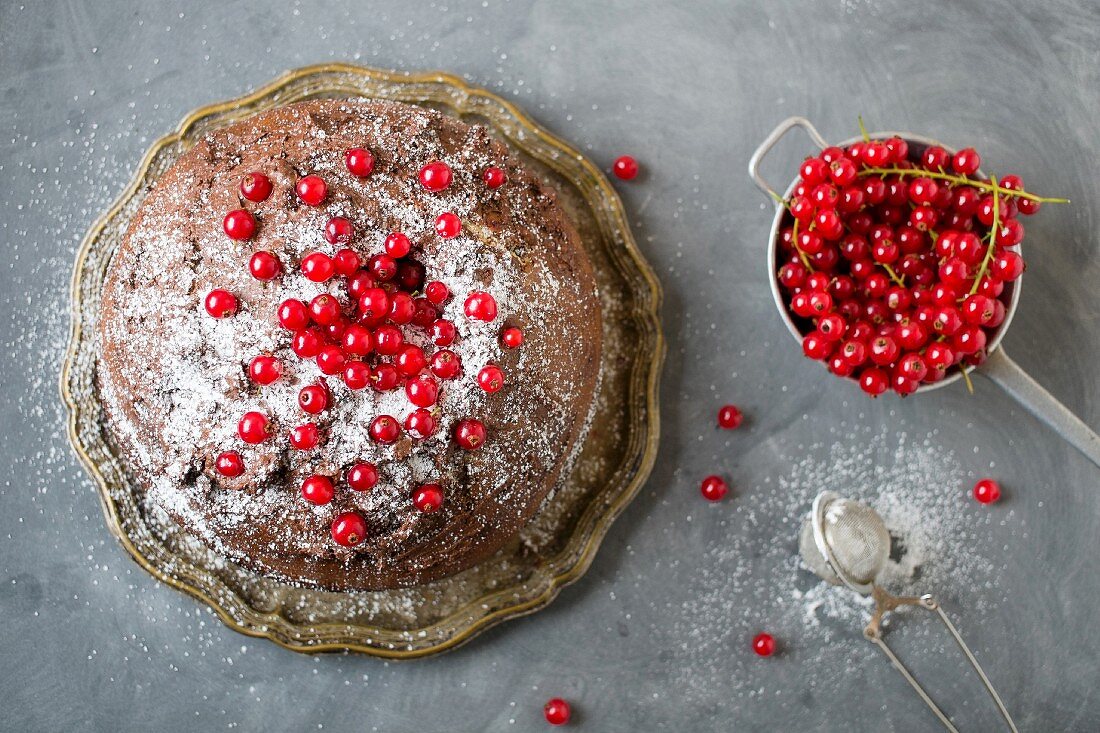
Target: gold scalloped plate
557, 546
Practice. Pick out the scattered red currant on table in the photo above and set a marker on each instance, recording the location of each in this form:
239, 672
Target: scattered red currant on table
556, 711
895, 256
764, 644
714, 488
625, 168
729, 417
987, 491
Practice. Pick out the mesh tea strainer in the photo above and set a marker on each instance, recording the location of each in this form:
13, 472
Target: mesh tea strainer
845, 542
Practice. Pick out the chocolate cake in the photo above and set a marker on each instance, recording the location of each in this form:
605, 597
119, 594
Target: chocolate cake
349, 344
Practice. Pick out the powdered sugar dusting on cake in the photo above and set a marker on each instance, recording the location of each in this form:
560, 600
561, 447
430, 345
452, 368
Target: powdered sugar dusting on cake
177, 252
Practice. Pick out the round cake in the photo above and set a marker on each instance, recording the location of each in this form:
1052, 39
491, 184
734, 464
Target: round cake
351, 345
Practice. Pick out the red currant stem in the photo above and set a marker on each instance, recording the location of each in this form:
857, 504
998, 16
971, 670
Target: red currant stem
801, 255
893, 275
778, 199
961, 181
993, 229
862, 129
966, 378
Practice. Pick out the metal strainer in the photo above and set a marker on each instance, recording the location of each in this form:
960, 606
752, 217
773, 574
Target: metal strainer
846, 542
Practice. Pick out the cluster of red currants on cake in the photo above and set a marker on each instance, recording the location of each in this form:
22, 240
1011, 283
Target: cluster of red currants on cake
895, 257
358, 334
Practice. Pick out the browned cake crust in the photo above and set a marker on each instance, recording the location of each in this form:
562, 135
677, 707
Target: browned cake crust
175, 381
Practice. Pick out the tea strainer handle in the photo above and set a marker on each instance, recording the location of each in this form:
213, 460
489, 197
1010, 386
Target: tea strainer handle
885, 602
769, 142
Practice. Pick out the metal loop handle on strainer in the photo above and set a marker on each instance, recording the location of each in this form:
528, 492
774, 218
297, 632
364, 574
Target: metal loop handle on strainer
998, 367
846, 542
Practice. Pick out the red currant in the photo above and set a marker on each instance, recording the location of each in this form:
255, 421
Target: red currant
987, 491
305, 437
388, 340
763, 644
428, 498
402, 308
357, 340
255, 187
410, 360
494, 177
221, 303
254, 428
356, 374
384, 429
293, 314
446, 364
714, 488
420, 423
470, 434
263, 265
443, 332
480, 306
729, 417
435, 176
359, 161
512, 337
311, 190
318, 267
307, 342
448, 225
229, 463
966, 162
397, 245
324, 310
556, 711
873, 381
264, 369
339, 230
362, 476
490, 378
382, 267
349, 529
318, 490
331, 359
385, 377
239, 225
422, 390
313, 398
374, 304
436, 292
625, 168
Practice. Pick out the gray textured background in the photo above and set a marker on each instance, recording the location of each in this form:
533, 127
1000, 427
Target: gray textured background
90, 642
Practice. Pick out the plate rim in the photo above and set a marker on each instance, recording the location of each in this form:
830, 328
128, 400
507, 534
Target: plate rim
650, 309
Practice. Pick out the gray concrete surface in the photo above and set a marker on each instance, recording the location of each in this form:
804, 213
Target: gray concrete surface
655, 636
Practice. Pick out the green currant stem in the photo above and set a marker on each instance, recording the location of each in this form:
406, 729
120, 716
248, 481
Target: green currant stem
992, 237
966, 378
801, 255
960, 180
863, 129
893, 275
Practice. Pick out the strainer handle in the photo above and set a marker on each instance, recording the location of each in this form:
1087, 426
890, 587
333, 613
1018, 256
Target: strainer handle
1009, 376
769, 142
885, 602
